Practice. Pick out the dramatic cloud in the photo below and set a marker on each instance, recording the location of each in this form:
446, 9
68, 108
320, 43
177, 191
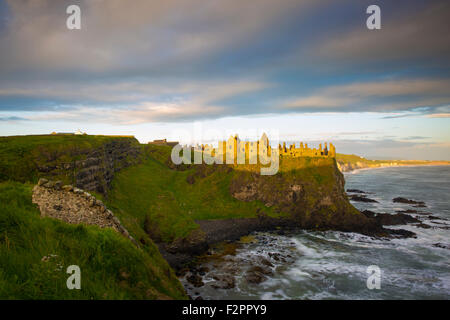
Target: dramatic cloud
166, 63
408, 34
375, 96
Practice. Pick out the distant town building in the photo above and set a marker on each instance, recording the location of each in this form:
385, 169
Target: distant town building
164, 142
78, 133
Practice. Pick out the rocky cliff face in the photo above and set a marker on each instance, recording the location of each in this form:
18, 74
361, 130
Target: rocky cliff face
314, 201
91, 168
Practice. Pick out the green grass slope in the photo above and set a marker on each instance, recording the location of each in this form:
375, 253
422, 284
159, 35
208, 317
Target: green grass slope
155, 198
20, 156
111, 266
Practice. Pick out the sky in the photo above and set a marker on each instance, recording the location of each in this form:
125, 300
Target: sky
198, 71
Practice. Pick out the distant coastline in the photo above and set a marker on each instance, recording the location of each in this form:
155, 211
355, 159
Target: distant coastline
348, 163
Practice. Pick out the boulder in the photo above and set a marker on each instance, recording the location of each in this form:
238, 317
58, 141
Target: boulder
407, 201
195, 280
42, 181
67, 187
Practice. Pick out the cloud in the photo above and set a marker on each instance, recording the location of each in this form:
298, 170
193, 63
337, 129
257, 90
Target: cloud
142, 113
12, 118
371, 96
195, 101
438, 115
149, 35
185, 59
131, 90
411, 34
416, 138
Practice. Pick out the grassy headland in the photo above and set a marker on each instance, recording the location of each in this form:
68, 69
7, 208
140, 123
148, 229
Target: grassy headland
155, 200
162, 201
35, 251
26, 158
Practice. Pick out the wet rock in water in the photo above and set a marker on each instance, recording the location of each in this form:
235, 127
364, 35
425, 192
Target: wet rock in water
401, 233
265, 262
223, 282
387, 219
407, 211
441, 245
435, 218
203, 269
356, 191
355, 197
263, 270
423, 225
407, 201
254, 277
275, 256
195, 280
423, 213
420, 206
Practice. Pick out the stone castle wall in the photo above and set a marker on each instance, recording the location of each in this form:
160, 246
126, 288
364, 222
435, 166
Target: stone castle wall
235, 151
75, 206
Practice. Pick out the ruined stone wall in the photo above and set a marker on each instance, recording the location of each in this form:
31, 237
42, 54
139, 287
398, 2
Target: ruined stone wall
75, 206
230, 150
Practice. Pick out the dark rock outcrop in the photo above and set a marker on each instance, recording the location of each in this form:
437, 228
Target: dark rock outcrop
358, 198
356, 191
92, 168
387, 219
407, 201
441, 245
310, 203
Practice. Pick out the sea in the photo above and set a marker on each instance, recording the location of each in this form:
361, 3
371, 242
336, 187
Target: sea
339, 265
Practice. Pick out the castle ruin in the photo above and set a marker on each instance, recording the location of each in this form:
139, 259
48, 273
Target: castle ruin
236, 151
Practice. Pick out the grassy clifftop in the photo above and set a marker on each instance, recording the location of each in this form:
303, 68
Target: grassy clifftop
26, 158
35, 251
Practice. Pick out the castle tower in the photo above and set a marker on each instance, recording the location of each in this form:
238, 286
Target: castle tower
253, 152
221, 151
230, 150
263, 149
332, 150
240, 151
